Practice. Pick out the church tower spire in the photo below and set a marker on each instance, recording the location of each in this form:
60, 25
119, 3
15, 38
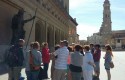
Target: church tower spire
106, 27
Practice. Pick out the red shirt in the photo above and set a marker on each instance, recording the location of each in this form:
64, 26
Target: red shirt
45, 55
69, 59
97, 55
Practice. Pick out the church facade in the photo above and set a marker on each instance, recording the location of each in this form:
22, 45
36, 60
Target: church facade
108, 36
73, 36
50, 25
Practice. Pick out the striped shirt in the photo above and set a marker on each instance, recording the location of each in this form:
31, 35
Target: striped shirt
62, 57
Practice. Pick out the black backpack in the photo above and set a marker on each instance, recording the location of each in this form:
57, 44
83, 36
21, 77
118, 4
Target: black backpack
11, 56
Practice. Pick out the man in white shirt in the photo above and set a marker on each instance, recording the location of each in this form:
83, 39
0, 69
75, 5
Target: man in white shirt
61, 61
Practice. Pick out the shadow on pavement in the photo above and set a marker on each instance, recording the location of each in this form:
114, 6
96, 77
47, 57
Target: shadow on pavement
95, 78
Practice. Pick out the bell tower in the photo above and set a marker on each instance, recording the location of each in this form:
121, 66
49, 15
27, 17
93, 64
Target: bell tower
106, 26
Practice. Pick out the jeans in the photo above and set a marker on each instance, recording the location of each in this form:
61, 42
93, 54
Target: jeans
35, 75
45, 69
29, 75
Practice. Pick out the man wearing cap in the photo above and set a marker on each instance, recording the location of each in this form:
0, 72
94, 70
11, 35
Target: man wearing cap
61, 61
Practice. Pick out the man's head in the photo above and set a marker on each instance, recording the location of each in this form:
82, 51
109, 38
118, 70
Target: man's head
36, 45
86, 48
21, 12
21, 42
78, 48
45, 45
91, 45
97, 46
64, 43
57, 47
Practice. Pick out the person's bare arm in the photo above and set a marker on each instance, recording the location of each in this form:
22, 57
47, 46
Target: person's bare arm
92, 64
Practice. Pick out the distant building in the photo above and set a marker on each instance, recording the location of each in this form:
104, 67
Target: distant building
83, 42
95, 39
118, 38
108, 36
73, 36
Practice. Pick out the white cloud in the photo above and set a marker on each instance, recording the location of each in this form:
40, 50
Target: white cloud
79, 3
75, 4
86, 30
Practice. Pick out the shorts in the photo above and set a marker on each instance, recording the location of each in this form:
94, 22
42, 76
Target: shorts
107, 68
97, 68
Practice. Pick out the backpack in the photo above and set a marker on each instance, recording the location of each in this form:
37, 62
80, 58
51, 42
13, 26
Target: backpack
11, 56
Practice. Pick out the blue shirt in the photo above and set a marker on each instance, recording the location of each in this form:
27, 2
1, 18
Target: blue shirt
37, 57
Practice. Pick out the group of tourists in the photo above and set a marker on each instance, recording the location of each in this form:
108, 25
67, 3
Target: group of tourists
73, 62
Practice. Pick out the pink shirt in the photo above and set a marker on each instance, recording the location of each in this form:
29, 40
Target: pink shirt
69, 59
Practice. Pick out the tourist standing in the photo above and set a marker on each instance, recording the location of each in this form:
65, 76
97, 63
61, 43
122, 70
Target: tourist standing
92, 48
96, 57
76, 63
88, 64
27, 65
53, 58
61, 61
35, 61
45, 59
15, 60
108, 60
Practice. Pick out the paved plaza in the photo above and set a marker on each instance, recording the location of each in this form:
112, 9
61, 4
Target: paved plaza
118, 73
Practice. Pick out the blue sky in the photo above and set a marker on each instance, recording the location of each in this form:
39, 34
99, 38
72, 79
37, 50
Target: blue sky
89, 14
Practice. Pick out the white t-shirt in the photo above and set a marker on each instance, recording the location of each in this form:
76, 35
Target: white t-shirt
87, 58
62, 56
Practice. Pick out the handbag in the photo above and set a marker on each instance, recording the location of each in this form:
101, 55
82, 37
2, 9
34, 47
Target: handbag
41, 74
74, 68
111, 64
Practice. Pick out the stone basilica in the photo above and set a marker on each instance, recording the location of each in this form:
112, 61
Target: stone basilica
106, 35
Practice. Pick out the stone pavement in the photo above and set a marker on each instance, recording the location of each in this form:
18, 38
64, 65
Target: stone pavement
118, 73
